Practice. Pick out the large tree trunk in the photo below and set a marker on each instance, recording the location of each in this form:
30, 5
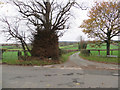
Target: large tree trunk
108, 47
45, 45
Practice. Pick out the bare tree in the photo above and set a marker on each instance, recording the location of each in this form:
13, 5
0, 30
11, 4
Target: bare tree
48, 18
13, 32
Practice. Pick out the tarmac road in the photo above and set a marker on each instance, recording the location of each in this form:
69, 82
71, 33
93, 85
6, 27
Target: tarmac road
90, 64
71, 74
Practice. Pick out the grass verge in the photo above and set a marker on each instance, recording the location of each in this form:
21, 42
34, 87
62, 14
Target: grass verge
110, 60
10, 60
65, 57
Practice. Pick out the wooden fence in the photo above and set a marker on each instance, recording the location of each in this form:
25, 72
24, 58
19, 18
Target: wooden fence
104, 50
71, 50
99, 50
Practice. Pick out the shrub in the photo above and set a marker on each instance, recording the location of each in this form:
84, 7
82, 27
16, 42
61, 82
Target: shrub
85, 52
61, 51
82, 45
4, 50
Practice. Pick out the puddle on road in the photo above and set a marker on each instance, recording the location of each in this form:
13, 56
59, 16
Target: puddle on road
75, 82
50, 75
19, 77
79, 73
64, 74
42, 81
68, 74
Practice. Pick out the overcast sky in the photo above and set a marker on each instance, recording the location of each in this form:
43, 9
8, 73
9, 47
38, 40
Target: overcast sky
72, 34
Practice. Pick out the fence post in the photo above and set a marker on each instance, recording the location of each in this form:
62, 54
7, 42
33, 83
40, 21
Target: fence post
19, 54
111, 52
99, 52
1, 54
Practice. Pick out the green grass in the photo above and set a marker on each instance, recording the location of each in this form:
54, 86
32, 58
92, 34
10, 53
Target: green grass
12, 58
103, 53
9, 47
102, 47
70, 47
15, 49
32, 62
65, 57
101, 59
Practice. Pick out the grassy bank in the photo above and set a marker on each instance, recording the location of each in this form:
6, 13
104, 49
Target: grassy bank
65, 57
101, 59
12, 58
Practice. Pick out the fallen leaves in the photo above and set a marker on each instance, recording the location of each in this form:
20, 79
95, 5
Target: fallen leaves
77, 83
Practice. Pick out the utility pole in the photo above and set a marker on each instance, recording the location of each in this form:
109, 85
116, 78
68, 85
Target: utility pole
0, 54
81, 43
80, 38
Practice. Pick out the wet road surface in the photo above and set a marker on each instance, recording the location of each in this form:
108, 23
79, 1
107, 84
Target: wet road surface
76, 73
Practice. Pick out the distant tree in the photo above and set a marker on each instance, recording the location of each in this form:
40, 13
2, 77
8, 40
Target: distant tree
103, 22
82, 44
48, 18
96, 43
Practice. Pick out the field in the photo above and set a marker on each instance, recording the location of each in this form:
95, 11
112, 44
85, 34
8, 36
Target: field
70, 47
111, 60
11, 57
102, 58
103, 53
95, 54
